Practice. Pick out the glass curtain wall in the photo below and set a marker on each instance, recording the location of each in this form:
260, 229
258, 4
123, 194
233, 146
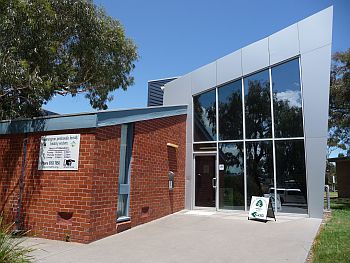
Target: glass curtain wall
255, 124
257, 102
231, 176
204, 116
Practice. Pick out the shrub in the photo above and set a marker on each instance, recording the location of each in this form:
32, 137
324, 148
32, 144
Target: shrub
11, 248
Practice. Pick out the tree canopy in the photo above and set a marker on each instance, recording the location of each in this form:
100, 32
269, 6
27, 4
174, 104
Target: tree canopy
339, 106
60, 47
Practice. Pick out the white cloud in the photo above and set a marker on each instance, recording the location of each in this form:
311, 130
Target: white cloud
292, 96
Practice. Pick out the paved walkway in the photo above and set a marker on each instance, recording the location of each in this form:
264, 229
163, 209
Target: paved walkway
193, 236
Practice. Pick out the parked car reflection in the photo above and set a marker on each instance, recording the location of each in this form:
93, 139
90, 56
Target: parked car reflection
289, 196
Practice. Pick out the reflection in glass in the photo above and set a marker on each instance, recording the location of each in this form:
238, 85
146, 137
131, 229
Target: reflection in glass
204, 116
122, 205
259, 169
230, 111
287, 100
257, 106
204, 147
231, 176
290, 175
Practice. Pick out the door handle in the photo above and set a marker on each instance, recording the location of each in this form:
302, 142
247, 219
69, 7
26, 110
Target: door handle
213, 182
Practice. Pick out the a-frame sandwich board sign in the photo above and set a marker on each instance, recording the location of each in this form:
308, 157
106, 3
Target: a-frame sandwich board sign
261, 208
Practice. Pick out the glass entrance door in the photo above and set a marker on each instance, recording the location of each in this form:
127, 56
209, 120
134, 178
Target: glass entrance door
205, 181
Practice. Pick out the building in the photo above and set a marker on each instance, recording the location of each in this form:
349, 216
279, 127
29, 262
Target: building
86, 176
257, 121
155, 91
343, 175
253, 123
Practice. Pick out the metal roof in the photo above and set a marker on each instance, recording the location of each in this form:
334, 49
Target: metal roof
89, 119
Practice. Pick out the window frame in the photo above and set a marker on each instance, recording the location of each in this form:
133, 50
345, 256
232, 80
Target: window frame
244, 139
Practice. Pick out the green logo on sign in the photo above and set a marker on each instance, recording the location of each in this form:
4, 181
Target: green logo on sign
254, 214
259, 203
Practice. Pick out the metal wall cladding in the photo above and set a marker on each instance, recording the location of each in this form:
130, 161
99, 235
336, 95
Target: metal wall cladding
255, 56
315, 68
178, 91
316, 31
229, 67
284, 44
203, 78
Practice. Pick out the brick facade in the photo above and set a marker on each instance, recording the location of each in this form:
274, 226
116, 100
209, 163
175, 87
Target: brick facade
81, 205
151, 161
343, 178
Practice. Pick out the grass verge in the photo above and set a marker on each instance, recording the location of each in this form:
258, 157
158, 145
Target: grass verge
333, 242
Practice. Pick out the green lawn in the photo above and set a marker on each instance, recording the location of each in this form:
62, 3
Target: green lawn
333, 242
332, 194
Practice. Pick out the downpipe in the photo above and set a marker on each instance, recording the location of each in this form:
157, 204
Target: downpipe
326, 187
19, 215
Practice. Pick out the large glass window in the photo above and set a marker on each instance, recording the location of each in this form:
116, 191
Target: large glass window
126, 142
204, 116
290, 175
260, 179
230, 111
257, 106
255, 156
288, 120
231, 176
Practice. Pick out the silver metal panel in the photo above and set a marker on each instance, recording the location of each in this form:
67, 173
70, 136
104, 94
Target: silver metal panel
284, 44
204, 78
315, 70
316, 30
189, 124
316, 150
189, 168
189, 177
178, 91
229, 67
255, 56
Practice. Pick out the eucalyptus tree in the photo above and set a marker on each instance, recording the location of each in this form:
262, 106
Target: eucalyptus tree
339, 103
60, 47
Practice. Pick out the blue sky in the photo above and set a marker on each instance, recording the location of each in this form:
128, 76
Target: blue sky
176, 37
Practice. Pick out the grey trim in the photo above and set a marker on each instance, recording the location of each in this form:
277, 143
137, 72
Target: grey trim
88, 120
127, 116
48, 124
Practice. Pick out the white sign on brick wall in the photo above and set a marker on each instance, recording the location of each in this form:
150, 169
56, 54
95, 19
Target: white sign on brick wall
59, 152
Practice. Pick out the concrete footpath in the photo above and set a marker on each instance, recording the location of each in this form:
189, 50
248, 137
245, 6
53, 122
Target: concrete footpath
193, 236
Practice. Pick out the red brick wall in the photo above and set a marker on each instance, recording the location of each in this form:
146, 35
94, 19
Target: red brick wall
151, 160
105, 182
91, 192
343, 179
48, 192
10, 169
